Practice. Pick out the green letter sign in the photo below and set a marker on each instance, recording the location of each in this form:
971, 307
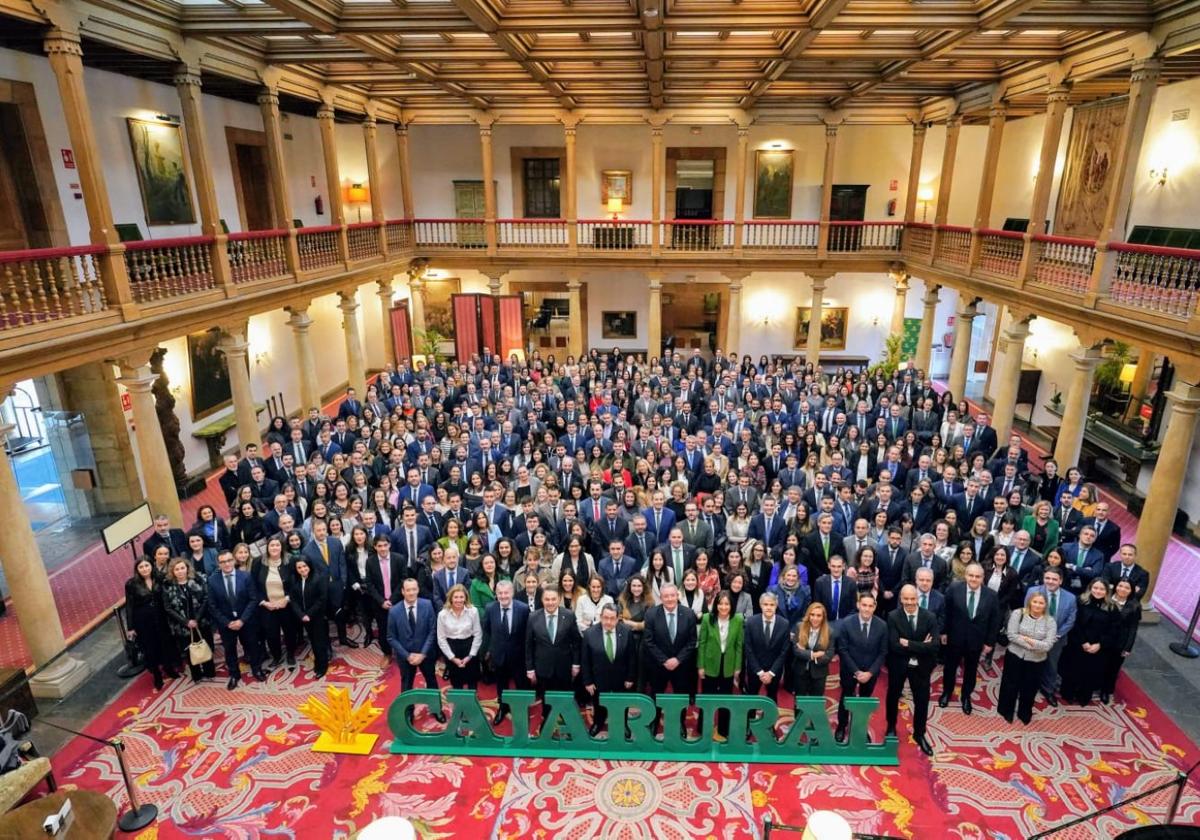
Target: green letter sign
631, 736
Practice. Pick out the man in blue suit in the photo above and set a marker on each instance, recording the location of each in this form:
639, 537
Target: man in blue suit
659, 518
349, 407
1061, 605
504, 623
1082, 560
862, 642
410, 539
446, 578
768, 526
414, 490
412, 636
231, 603
617, 567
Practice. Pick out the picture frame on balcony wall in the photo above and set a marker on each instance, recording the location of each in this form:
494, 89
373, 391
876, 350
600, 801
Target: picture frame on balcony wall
162, 172
773, 171
834, 322
622, 324
211, 391
616, 183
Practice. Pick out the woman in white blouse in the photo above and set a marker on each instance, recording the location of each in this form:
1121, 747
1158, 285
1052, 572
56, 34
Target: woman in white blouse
459, 636
587, 608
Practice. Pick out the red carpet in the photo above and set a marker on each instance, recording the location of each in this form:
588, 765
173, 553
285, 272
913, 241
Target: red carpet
237, 765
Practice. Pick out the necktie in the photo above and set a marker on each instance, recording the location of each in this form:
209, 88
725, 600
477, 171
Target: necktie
1054, 605
837, 597
504, 620
678, 560
767, 530
229, 588
412, 545
1124, 573
385, 569
608, 646
866, 631
657, 523
912, 621
433, 525
924, 601
860, 544
551, 626
412, 618
1099, 528
671, 626
325, 552
971, 604
596, 509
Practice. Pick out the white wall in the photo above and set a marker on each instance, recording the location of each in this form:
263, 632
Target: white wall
618, 291
438, 156
875, 155
600, 147
1174, 144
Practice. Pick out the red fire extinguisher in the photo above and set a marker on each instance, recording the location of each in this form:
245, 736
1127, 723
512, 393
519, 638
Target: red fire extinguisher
319, 204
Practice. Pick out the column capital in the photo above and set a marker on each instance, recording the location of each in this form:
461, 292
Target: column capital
932, 295
1145, 70
60, 41
998, 111
1087, 358
735, 278
968, 309
743, 132
655, 279
137, 379
386, 286
326, 112
369, 123
233, 345
348, 303
919, 128
139, 358
1184, 398
1017, 331
299, 320
1057, 94
831, 130
402, 129
954, 122
574, 284
268, 96
187, 76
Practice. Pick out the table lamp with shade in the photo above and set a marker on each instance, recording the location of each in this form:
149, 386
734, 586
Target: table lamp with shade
924, 195
614, 206
358, 195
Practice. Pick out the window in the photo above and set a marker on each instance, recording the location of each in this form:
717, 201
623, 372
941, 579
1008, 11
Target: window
541, 183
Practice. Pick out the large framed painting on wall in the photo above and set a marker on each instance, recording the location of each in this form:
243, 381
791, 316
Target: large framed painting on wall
210, 376
162, 173
616, 183
438, 314
834, 320
1091, 155
773, 183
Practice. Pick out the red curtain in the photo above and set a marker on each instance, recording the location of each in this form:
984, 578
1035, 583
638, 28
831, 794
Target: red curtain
402, 333
512, 325
466, 325
487, 323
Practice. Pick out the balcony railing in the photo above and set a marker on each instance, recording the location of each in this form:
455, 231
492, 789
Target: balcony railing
692, 235
257, 255
49, 284
161, 269
1063, 262
614, 235
319, 247
918, 239
953, 245
864, 236
454, 234
362, 240
1000, 253
762, 235
399, 234
1165, 280
531, 233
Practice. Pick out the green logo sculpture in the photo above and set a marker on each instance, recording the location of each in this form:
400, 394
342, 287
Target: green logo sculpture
808, 741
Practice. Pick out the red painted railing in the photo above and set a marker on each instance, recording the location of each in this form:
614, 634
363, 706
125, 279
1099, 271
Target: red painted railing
1000, 252
49, 284
695, 235
257, 255
1163, 280
399, 234
614, 234
318, 246
449, 233
531, 233
160, 269
764, 235
864, 236
362, 240
918, 239
1063, 262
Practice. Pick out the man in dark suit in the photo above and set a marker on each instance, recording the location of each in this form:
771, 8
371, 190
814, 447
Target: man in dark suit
250, 460
945, 489
1082, 560
969, 503
820, 544
350, 406
912, 653
230, 481
412, 637
1126, 567
766, 647
1024, 560
385, 576
670, 646
616, 568
768, 526
504, 626
925, 558
862, 644
409, 539
890, 560
231, 604
930, 599
972, 623
835, 590
611, 526
444, 579
680, 556
1069, 519
174, 538
1108, 533
327, 557
261, 487
607, 662
551, 646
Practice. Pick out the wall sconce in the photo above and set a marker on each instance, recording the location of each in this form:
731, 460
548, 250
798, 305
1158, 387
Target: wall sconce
261, 358
1159, 175
358, 195
924, 195
614, 206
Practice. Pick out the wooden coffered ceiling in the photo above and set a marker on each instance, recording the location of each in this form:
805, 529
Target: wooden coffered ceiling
872, 57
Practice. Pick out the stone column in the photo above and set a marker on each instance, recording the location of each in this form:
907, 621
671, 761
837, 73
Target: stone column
333, 178
658, 167
157, 476
960, 356
187, 83
812, 353
924, 354
827, 189
29, 585
281, 193
375, 184
236, 348
405, 170
489, 181
575, 327
387, 292
739, 201
66, 61
570, 187
1008, 375
654, 316
946, 181
733, 317
356, 369
306, 363
914, 173
1162, 498
495, 282
1075, 408
987, 183
416, 303
900, 279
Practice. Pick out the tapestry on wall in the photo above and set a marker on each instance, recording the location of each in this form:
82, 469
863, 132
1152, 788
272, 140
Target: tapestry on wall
1091, 155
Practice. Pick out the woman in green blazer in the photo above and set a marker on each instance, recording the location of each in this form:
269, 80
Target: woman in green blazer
719, 654
483, 585
1042, 528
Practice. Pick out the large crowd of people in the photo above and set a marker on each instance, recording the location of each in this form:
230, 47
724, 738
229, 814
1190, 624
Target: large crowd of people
687, 524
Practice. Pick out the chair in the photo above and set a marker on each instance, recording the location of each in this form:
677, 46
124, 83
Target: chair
28, 768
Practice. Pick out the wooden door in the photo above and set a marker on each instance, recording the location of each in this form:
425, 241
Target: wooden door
13, 233
256, 192
469, 203
848, 203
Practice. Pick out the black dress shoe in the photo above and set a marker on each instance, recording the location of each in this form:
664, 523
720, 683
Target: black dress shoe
594, 730
925, 746
440, 717
1051, 700
944, 701
291, 661
232, 684
500, 716
346, 642
891, 732
839, 735
1105, 697
966, 704
318, 675
158, 680
260, 676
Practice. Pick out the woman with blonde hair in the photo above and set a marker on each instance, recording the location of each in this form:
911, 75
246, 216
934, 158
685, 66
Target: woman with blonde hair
459, 637
812, 649
1031, 634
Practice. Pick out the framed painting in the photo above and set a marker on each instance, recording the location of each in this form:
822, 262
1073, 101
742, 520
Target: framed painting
616, 183
773, 170
162, 172
621, 324
210, 376
438, 314
834, 320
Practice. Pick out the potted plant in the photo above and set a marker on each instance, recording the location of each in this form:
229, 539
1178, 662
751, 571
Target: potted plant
890, 363
1109, 387
429, 342
1056, 399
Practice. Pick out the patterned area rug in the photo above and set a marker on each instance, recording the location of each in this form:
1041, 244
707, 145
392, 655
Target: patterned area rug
237, 765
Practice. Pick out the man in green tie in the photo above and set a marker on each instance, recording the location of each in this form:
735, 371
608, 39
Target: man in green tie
1060, 604
972, 624
607, 662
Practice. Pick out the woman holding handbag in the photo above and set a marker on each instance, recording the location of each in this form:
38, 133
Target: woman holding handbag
145, 620
185, 600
